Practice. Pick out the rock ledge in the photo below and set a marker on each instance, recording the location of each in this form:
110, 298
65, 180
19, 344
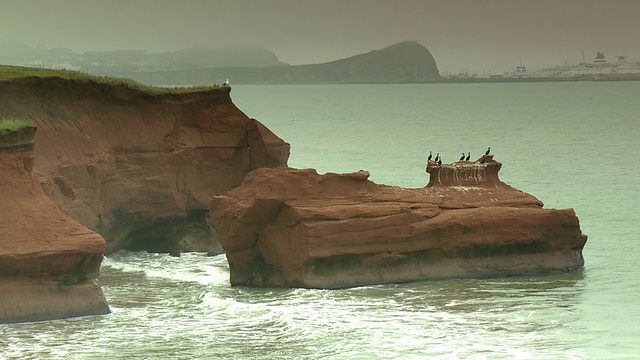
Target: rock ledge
295, 228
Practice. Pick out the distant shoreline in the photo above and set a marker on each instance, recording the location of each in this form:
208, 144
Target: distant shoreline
633, 77
451, 81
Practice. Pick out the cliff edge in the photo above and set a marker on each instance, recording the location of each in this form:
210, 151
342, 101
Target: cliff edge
49, 263
296, 228
135, 165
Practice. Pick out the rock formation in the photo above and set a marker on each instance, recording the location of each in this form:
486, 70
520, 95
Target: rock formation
295, 228
482, 172
139, 167
48, 261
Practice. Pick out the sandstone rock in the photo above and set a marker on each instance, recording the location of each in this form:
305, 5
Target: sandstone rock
48, 261
139, 168
295, 228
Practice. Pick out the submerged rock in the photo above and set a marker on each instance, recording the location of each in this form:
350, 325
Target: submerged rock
295, 228
49, 263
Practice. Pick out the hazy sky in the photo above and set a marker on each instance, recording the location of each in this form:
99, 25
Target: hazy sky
474, 35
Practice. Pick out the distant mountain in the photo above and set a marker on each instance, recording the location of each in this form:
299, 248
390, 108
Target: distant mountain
222, 57
405, 62
118, 62
123, 62
114, 62
15, 53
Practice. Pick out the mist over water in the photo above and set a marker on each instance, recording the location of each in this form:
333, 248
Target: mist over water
463, 35
569, 144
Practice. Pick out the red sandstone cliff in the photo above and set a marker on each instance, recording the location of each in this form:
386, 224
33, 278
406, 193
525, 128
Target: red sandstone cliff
48, 261
295, 228
137, 167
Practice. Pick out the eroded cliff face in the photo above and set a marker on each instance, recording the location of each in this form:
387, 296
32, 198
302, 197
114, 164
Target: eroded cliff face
295, 228
139, 168
48, 261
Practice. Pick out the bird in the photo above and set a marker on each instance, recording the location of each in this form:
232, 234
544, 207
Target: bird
437, 157
430, 156
468, 157
462, 157
226, 83
488, 151
439, 162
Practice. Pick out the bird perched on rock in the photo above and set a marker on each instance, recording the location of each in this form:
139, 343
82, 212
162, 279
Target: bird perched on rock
226, 83
439, 162
468, 156
488, 151
437, 157
462, 157
430, 156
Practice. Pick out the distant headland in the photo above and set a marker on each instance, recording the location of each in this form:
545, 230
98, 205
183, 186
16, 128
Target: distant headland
400, 63
404, 62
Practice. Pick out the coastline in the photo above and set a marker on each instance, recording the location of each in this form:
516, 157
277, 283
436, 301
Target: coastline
634, 77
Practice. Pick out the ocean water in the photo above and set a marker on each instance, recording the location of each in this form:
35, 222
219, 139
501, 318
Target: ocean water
570, 144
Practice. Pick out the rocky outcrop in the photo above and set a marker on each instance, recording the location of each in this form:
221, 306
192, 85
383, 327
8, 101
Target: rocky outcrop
482, 172
295, 228
136, 166
48, 261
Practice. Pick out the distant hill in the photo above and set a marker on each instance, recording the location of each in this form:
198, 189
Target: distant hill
221, 57
123, 62
119, 62
405, 62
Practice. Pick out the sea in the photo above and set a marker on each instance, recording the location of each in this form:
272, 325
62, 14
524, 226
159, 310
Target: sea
571, 144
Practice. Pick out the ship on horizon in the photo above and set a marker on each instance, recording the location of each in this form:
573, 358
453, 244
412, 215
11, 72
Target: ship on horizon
600, 67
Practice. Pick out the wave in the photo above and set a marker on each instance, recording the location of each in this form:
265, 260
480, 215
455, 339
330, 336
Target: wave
189, 267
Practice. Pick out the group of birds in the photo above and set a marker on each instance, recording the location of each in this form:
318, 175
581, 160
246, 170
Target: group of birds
438, 159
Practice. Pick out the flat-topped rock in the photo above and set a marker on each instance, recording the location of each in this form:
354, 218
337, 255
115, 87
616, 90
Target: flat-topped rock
482, 172
295, 228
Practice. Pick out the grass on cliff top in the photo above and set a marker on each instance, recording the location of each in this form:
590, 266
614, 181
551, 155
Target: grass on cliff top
8, 72
11, 125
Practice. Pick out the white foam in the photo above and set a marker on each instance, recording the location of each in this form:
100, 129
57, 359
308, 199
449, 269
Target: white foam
189, 267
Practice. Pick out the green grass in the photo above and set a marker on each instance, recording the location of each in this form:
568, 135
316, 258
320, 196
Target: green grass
11, 125
8, 72
14, 72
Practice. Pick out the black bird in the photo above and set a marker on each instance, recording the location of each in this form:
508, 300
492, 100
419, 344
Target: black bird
439, 162
488, 151
430, 156
437, 157
462, 157
468, 157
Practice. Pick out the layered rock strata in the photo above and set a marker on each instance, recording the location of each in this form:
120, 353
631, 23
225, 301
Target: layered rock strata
295, 228
49, 262
135, 166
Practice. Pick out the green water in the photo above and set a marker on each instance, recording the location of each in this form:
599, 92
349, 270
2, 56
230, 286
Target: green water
570, 144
